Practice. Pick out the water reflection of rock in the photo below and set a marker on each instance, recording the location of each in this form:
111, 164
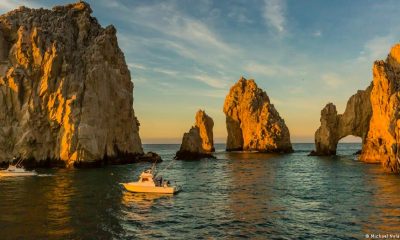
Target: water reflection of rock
31, 209
58, 196
252, 180
383, 204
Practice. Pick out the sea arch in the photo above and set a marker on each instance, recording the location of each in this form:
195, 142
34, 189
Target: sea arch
354, 121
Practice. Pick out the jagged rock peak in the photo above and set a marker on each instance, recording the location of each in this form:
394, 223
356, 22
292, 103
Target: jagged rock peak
198, 142
252, 122
80, 6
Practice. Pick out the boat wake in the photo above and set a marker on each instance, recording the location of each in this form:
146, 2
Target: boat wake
45, 175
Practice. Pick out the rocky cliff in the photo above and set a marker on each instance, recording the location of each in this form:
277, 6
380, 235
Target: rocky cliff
198, 142
382, 143
252, 122
65, 89
373, 115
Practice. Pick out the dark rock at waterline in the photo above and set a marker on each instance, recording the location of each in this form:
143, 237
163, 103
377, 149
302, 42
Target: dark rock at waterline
357, 153
315, 153
150, 157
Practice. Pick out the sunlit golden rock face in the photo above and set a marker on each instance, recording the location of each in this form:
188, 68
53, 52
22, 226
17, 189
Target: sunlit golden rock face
205, 125
65, 89
198, 142
382, 143
252, 122
372, 114
354, 121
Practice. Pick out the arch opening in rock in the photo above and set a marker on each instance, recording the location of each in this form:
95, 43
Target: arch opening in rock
350, 144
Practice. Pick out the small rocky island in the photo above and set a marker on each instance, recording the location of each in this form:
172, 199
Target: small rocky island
252, 122
198, 142
65, 90
372, 114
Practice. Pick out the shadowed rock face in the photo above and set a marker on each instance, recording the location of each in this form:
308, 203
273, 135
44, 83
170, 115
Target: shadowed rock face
65, 89
252, 122
198, 142
374, 116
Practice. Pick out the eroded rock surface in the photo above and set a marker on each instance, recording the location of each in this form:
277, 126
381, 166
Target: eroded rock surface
354, 121
65, 89
252, 122
198, 142
382, 143
374, 117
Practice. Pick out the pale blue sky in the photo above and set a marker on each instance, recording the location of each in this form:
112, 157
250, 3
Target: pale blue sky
185, 55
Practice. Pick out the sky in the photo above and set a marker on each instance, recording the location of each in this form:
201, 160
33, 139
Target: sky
184, 55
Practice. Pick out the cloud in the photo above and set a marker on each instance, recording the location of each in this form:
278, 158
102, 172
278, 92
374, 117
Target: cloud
317, 33
239, 14
166, 19
274, 14
8, 5
211, 81
376, 48
331, 80
166, 28
269, 70
137, 66
138, 79
165, 71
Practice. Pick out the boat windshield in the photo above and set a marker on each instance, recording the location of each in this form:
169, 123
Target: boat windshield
11, 168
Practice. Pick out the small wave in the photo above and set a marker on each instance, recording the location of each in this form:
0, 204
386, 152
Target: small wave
303, 151
45, 175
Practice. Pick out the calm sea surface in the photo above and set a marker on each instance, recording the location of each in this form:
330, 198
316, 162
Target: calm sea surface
239, 195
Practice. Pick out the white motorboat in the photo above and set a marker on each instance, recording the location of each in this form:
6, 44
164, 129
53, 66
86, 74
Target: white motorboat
16, 171
147, 183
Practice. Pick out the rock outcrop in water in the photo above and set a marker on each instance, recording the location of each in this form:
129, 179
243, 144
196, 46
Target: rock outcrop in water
252, 122
354, 121
198, 142
65, 89
374, 116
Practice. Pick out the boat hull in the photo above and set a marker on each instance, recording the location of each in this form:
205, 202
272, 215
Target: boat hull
11, 174
150, 189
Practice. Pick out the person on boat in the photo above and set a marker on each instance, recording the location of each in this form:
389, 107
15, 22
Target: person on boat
158, 181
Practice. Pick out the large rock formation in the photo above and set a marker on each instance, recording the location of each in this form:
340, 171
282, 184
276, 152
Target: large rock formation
374, 117
198, 142
382, 143
354, 121
252, 122
65, 89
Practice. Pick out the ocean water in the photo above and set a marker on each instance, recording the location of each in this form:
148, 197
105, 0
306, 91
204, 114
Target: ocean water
238, 195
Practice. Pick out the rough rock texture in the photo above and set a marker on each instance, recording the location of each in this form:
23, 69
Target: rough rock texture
375, 117
198, 142
382, 143
65, 89
354, 121
252, 122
